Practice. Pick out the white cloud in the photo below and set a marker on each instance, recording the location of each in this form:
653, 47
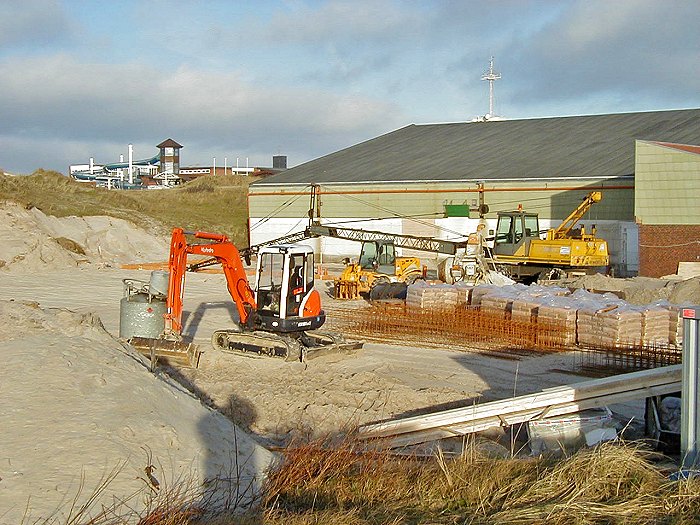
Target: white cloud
353, 22
59, 98
638, 47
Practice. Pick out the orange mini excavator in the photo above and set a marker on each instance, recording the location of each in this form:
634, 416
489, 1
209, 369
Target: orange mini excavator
277, 318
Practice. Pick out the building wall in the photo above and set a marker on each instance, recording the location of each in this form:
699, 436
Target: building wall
662, 246
666, 207
418, 209
551, 199
667, 185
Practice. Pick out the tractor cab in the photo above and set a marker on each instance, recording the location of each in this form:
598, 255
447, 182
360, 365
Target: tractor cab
378, 256
514, 231
284, 287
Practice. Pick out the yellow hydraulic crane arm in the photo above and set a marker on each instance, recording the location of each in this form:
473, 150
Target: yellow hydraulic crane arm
562, 231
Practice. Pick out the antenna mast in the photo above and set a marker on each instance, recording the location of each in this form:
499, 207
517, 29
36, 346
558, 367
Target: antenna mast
491, 76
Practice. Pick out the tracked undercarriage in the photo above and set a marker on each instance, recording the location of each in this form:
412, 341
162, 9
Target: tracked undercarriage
295, 346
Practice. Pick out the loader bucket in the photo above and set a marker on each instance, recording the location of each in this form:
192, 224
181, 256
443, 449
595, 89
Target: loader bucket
388, 291
168, 351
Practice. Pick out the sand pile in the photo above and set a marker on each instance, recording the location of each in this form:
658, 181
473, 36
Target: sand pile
643, 290
32, 241
79, 409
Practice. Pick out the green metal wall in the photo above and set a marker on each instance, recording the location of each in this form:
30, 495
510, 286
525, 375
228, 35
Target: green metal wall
667, 185
552, 200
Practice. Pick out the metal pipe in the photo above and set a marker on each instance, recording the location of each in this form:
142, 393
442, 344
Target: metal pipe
690, 394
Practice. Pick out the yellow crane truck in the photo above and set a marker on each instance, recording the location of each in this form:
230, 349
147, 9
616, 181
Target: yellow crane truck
518, 251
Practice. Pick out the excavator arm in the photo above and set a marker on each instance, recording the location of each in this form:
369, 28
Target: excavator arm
223, 251
564, 229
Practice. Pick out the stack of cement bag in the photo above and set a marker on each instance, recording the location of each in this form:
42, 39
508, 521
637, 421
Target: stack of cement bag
676, 325
581, 317
660, 325
558, 311
609, 326
434, 295
526, 306
479, 292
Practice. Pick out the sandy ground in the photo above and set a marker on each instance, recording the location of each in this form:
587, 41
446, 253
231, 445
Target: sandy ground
80, 410
273, 397
84, 420
77, 403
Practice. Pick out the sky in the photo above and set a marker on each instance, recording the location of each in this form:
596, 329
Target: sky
304, 78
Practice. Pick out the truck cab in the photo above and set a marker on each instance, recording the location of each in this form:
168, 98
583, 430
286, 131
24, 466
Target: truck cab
379, 256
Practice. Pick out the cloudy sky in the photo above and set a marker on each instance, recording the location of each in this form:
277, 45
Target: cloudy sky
303, 78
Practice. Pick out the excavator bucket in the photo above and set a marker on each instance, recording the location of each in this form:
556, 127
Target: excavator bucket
169, 351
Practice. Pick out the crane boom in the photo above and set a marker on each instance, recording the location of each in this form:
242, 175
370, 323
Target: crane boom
427, 244
564, 229
315, 230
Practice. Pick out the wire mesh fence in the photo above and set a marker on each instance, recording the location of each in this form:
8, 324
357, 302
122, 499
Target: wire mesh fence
626, 358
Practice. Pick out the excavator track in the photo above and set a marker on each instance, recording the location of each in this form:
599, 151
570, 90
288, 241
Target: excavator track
300, 346
257, 344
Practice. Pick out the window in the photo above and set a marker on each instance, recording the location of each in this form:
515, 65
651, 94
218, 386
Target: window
368, 255
518, 230
271, 270
387, 254
270, 282
532, 226
503, 230
309, 271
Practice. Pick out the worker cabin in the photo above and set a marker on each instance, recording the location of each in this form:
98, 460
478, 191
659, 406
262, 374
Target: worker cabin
442, 180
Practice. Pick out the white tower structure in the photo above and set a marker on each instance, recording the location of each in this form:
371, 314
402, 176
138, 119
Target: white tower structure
491, 76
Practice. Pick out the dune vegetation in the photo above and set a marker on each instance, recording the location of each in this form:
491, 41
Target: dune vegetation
318, 483
216, 204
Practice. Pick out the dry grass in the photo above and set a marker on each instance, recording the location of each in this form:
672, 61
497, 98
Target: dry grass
331, 483
215, 204
609, 484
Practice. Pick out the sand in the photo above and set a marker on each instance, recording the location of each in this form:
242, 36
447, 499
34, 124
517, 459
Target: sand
31, 241
79, 408
79, 405
643, 290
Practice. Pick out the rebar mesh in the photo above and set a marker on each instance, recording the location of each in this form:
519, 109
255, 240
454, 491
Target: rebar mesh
463, 327
471, 328
626, 358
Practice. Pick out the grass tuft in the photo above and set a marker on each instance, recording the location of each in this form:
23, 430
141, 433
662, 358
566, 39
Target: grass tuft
612, 483
342, 483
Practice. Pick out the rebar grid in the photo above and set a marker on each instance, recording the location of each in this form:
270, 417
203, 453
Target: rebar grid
472, 328
627, 357
461, 327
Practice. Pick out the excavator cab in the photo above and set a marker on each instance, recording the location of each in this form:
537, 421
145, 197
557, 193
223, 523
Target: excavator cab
284, 289
514, 230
